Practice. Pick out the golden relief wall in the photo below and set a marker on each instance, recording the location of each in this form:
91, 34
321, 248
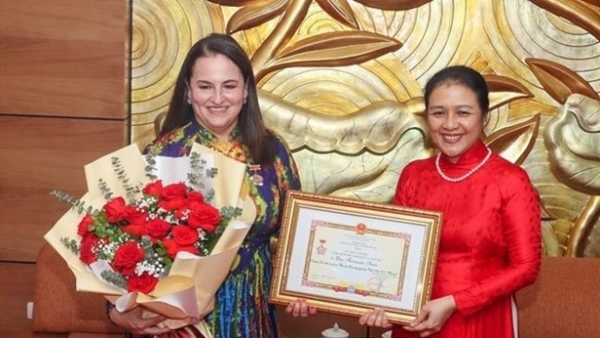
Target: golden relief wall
342, 82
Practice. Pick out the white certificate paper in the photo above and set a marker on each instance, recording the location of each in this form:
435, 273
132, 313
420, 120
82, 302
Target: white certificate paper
353, 259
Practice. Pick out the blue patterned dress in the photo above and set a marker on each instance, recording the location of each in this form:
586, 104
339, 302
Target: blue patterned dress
241, 304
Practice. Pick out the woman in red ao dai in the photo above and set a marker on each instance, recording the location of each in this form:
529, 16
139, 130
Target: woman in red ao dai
490, 243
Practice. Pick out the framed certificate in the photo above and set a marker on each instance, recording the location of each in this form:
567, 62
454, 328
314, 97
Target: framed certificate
346, 256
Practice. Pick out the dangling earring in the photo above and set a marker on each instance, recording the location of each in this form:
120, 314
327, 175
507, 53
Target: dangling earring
188, 100
245, 99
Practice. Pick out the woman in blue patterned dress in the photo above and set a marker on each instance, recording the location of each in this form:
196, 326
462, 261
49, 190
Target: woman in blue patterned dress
215, 104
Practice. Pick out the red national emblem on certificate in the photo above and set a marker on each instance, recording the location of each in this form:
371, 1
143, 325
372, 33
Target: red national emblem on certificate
321, 248
361, 229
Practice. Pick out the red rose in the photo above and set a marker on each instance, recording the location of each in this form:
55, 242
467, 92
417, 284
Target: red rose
184, 235
195, 197
204, 216
87, 252
144, 283
136, 230
84, 226
136, 216
173, 204
175, 191
158, 228
173, 248
153, 188
115, 209
126, 258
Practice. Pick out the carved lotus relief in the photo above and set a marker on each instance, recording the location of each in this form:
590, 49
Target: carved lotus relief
572, 138
573, 141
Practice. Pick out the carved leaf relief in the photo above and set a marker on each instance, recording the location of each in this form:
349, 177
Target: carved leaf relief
515, 141
340, 10
334, 49
255, 15
376, 128
366, 176
504, 90
578, 12
559, 81
393, 5
234, 3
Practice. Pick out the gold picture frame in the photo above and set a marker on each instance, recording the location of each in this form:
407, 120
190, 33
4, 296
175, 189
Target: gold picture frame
347, 256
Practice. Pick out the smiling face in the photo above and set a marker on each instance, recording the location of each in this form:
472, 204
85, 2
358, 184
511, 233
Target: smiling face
217, 90
455, 119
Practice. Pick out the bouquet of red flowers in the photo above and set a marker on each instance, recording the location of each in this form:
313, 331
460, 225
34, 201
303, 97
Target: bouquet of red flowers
150, 225
140, 239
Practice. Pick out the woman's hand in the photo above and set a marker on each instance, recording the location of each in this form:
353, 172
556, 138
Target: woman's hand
376, 317
300, 308
432, 316
134, 322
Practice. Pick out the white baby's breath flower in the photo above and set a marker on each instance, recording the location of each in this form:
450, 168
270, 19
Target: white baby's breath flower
154, 269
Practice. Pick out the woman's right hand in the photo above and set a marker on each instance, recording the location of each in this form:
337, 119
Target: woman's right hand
376, 317
300, 308
134, 322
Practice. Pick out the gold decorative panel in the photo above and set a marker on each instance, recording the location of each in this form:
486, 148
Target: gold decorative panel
342, 82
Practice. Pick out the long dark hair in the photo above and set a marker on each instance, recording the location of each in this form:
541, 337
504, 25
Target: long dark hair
462, 75
253, 132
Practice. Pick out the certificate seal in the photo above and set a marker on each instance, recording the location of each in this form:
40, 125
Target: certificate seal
374, 283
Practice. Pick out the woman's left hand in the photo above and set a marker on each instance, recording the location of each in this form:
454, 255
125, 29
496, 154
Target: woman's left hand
432, 317
376, 318
300, 308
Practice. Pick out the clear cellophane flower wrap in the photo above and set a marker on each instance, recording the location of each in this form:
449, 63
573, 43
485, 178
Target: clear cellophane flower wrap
187, 292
